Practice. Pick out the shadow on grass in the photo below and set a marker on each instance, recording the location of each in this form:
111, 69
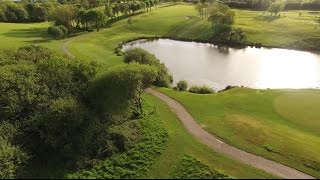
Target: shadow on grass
266, 18
32, 33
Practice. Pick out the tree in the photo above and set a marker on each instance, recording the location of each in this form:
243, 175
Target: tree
36, 12
182, 85
15, 12
124, 8
64, 15
276, 7
95, 17
122, 89
108, 10
163, 79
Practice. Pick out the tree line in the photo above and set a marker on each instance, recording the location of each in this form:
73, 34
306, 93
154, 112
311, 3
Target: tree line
72, 111
25, 12
264, 4
85, 18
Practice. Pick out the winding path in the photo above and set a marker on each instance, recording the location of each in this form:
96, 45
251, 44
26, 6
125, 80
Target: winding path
213, 142
65, 49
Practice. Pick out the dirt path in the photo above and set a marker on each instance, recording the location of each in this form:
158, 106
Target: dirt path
216, 144
65, 49
213, 142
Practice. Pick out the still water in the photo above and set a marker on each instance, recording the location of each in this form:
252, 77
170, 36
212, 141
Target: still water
201, 63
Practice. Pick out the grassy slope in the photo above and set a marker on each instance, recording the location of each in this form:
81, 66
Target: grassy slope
181, 143
269, 123
277, 31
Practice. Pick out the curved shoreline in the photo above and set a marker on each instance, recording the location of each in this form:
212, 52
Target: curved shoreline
229, 45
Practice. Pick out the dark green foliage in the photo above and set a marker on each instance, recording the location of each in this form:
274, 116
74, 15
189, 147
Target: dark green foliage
46, 106
163, 79
93, 18
182, 85
122, 87
55, 31
108, 10
201, 90
64, 30
58, 31
19, 12
191, 168
135, 162
36, 12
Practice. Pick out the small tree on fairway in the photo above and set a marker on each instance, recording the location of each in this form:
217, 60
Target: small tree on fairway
276, 8
55, 31
182, 85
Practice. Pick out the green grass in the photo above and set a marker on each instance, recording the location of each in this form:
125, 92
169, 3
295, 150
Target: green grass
277, 31
282, 125
189, 167
181, 143
14, 35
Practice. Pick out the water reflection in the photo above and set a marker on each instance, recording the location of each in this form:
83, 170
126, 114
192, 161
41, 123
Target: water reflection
218, 67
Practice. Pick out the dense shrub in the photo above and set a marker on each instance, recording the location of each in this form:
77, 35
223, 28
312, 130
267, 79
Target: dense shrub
55, 31
64, 30
201, 90
182, 85
163, 79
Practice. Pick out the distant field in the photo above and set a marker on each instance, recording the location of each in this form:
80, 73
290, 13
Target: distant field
14, 35
278, 31
282, 125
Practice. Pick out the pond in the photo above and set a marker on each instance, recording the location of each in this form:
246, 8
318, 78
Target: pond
218, 67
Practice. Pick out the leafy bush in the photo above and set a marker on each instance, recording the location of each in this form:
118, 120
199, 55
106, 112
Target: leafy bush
55, 31
182, 85
12, 159
201, 90
163, 79
189, 168
123, 86
64, 30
